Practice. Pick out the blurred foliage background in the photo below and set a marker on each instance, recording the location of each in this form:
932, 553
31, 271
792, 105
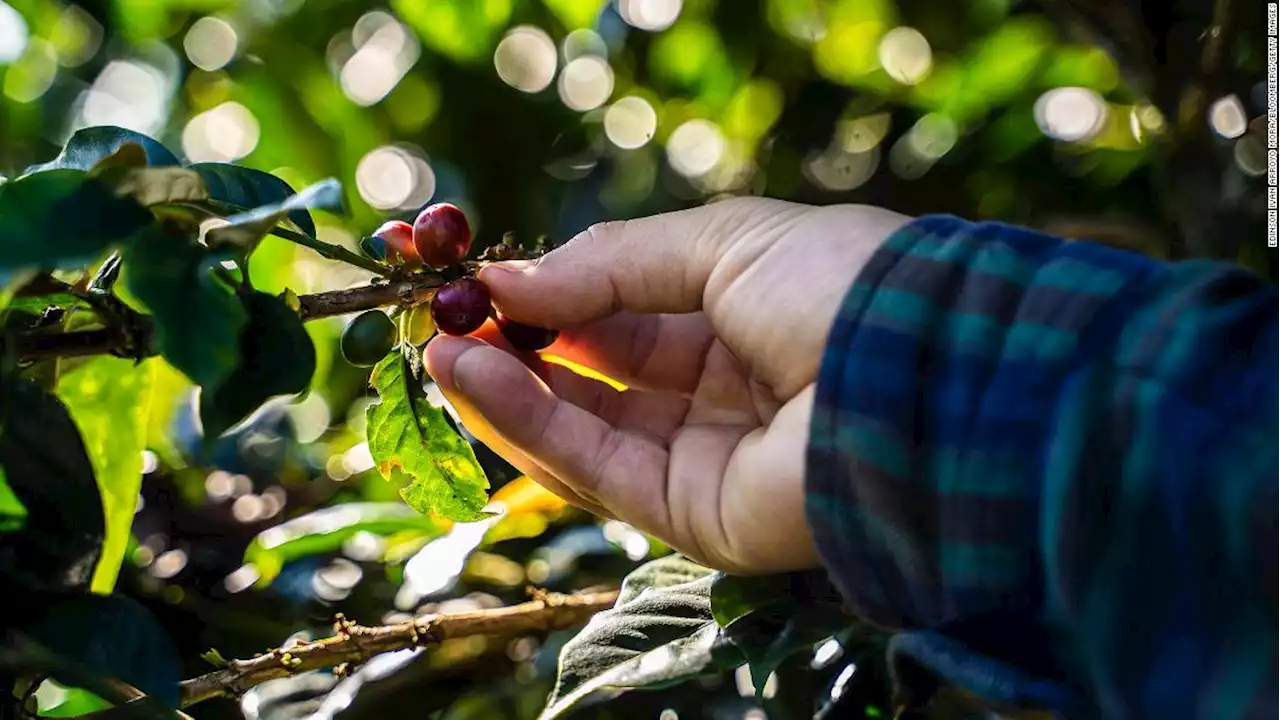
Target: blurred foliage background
1139, 124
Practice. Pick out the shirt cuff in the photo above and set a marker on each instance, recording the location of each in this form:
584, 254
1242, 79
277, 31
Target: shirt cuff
933, 409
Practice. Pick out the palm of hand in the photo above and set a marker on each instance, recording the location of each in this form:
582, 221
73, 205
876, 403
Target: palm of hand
721, 349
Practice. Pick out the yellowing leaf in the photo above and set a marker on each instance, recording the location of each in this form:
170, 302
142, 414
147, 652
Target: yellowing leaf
109, 399
406, 433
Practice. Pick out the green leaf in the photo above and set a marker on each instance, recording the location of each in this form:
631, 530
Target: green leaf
155, 186
407, 433
109, 399
772, 617
13, 514
46, 466
658, 637
246, 228
325, 531
87, 147
249, 188
114, 637
71, 701
198, 319
663, 572
63, 218
214, 658
277, 357
38, 303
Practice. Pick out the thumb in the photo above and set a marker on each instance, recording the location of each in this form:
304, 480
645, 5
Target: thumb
659, 264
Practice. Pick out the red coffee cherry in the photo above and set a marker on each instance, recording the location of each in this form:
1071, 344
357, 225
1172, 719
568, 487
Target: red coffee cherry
441, 235
397, 235
460, 307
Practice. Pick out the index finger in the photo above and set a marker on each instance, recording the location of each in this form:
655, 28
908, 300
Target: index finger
665, 263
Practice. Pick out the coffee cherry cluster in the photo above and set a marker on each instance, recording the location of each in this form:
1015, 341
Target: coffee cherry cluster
439, 239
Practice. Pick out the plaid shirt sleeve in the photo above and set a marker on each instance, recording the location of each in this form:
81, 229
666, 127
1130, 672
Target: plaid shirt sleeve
1062, 442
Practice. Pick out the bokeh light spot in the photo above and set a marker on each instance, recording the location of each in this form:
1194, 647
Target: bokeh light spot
840, 171
210, 43
225, 133
1227, 117
586, 83
76, 37
1070, 114
128, 93
650, 15
392, 177
582, 42
13, 34
905, 55
630, 122
861, 134
932, 136
33, 73
695, 148
526, 59
384, 52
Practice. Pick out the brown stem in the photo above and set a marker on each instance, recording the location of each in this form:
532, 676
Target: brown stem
117, 341
367, 297
353, 643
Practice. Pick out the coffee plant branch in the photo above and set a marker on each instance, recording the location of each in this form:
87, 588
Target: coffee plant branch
333, 252
133, 339
354, 644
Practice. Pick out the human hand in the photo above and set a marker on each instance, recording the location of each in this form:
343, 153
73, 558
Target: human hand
715, 318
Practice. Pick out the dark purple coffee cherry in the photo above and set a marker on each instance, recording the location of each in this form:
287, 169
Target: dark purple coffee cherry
460, 307
526, 338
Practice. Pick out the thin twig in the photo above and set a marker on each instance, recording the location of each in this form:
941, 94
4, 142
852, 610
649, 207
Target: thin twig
326, 250
353, 643
138, 345
334, 252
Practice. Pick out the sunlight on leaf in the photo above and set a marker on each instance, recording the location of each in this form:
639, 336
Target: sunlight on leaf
55, 700
243, 229
248, 188
109, 399
659, 633
325, 530
89, 146
12, 512
155, 186
407, 433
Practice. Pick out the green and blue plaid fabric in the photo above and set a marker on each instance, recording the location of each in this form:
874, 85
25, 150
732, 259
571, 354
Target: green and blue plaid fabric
1053, 467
